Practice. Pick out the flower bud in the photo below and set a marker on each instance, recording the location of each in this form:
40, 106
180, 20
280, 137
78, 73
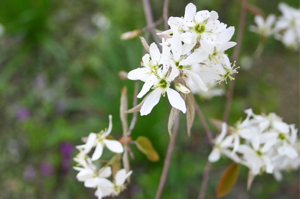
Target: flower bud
131, 34
182, 88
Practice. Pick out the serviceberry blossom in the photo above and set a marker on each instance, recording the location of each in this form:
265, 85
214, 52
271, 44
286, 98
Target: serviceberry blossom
264, 27
95, 176
288, 26
261, 143
193, 50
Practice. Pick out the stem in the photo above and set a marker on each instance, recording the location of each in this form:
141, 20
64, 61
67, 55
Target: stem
166, 14
205, 180
149, 19
205, 125
260, 48
167, 160
153, 25
235, 57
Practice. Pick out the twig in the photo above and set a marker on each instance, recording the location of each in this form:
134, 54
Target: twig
149, 19
153, 25
168, 159
166, 14
205, 125
260, 48
236, 54
205, 180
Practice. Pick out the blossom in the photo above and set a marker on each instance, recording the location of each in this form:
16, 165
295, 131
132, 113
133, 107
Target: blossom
99, 140
264, 27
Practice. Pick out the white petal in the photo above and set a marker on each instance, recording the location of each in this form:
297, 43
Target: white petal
222, 134
91, 183
236, 142
121, 176
176, 100
146, 87
281, 126
214, 155
104, 172
151, 100
154, 52
226, 35
84, 175
269, 165
190, 11
98, 152
270, 20
114, 146
194, 58
195, 77
259, 20
90, 142
176, 45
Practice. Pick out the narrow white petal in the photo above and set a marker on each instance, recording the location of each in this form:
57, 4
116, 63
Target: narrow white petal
91, 183
154, 52
190, 11
114, 146
176, 45
90, 142
259, 20
195, 77
281, 126
104, 172
150, 102
98, 152
226, 35
121, 176
222, 134
148, 84
269, 165
194, 58
176, 100
270, 20
214, 155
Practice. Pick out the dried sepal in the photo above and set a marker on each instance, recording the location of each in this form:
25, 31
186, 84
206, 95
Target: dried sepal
190, 111
126, 162
137, 108
123, 108
172, 117
145, 44
250, 180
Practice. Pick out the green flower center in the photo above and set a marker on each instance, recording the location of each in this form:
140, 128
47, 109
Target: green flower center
200, 28
163, 84
259, 153
281, 136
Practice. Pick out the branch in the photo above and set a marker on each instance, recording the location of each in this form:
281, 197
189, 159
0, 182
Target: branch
167, 160
235, 57
205, 180
166, 14
205, 125
149, 19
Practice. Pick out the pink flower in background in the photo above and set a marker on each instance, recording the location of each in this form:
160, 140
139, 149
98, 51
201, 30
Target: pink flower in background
66, 150
23, 114
46, 169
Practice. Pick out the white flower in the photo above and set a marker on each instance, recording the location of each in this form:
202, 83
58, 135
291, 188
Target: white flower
264, 27
162, 86
99, 140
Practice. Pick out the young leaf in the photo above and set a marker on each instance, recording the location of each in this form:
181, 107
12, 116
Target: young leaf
250, 180
173, 114
190, 111
145, 44
227, 180
137, 108
145, 146
123, 108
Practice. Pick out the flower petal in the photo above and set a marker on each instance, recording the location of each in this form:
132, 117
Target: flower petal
195, 77
150, 102
214, 155
176, 100
90, 142
190, 11
98, 152
104, 172
114, 146
121, 176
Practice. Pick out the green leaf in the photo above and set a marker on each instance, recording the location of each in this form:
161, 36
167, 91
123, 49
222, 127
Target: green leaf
228, 180
145, 146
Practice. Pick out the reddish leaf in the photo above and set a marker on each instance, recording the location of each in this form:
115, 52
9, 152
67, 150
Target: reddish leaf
228, 180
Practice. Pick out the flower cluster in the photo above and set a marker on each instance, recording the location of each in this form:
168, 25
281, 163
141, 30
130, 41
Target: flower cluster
94, 176
261, 143
286, 28
193, 50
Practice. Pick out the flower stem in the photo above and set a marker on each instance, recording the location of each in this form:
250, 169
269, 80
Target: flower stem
236, 54
205, 180
165, 13
204, 123
168, 159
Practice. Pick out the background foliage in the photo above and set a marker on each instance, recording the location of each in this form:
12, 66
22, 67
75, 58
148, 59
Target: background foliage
59, 81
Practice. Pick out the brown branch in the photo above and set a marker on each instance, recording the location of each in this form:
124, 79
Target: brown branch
205, 125
149, 19
205, 180
166, 14
236, 54
168, 159
153, 25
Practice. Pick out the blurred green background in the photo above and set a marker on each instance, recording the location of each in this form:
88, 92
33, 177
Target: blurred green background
59, 64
